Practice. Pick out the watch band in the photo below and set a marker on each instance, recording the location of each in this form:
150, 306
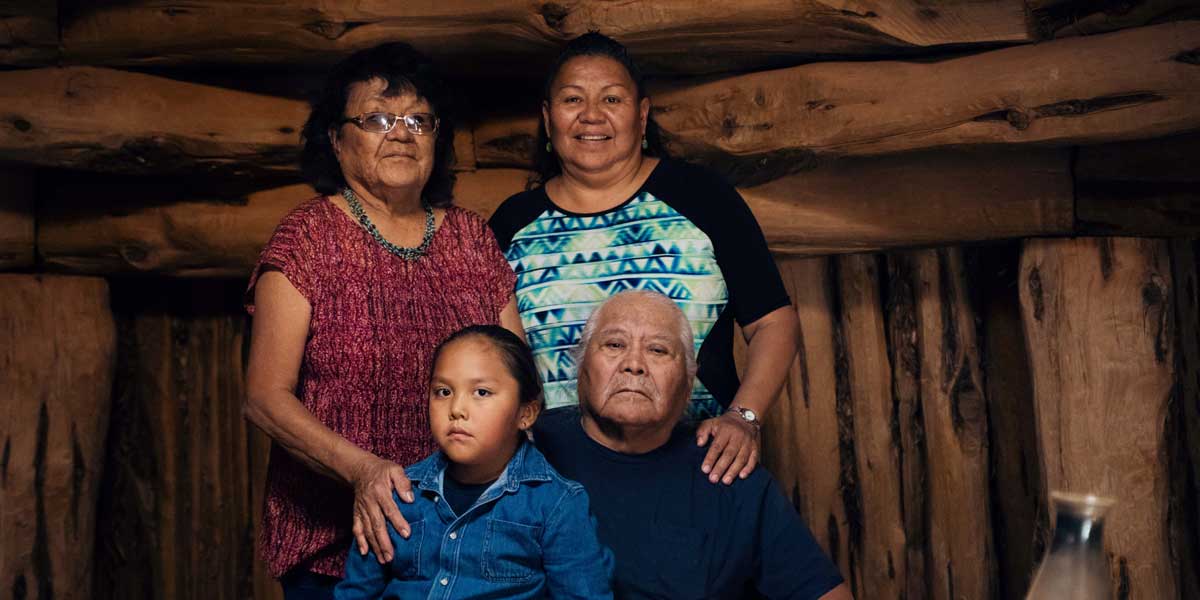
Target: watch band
747, 415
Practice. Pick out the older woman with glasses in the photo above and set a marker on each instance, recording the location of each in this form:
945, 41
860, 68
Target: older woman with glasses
350, 298
615, 214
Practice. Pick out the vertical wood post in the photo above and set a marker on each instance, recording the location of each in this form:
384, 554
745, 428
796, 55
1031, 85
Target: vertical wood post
1019, 516
954, 410
1099, 325
57, 351
801, 443
864, 387
186, 470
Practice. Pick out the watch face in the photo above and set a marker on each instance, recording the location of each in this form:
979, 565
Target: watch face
749, 415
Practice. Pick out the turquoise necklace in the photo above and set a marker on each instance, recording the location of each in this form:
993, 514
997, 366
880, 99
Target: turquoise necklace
402, 252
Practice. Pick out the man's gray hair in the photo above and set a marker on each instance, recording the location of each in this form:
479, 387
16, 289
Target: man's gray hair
650, 297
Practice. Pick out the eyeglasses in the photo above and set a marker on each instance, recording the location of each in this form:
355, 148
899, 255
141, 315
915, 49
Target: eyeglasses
383, 122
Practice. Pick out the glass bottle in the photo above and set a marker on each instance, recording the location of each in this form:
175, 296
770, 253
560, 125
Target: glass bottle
1075, 567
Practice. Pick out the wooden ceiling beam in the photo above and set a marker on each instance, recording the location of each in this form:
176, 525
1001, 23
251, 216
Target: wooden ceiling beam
1134, 84
511, 36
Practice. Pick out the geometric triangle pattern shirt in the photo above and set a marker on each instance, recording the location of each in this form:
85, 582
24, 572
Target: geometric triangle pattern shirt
567, 264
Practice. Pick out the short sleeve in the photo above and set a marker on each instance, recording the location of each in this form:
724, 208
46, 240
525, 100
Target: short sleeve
292, 251
515, 213
716, 207
495, 274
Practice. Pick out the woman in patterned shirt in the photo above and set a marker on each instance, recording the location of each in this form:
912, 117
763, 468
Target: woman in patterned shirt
614, 214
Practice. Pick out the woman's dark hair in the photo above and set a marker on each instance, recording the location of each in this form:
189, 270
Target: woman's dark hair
515, 353
405, 70
594, 43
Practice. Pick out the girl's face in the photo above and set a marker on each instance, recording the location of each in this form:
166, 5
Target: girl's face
475, 410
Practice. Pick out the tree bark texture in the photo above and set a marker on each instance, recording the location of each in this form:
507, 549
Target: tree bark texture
904, 355
1100, 332
116, 121
57, 352
16, 219
878, 550
185, 470
960, 562
510, 36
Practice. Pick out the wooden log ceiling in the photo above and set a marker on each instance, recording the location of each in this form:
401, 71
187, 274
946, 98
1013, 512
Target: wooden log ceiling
1063, 18
117, 121
481, 35
28, 32
848, 206
1134, 84
744, 35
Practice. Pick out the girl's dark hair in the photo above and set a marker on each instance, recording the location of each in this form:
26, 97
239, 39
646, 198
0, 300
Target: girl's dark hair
405, 70
594, 43
513, 351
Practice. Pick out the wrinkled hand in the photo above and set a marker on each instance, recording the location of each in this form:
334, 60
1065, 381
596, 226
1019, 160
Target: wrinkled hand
733, 450
374, 507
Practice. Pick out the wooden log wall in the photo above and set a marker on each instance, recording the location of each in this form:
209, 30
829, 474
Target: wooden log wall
57, 351
1104, 371
16, 219
184, 471
878, 143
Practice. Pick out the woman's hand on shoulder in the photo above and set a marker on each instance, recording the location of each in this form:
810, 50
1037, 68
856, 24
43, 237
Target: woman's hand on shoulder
374, 480
733, 450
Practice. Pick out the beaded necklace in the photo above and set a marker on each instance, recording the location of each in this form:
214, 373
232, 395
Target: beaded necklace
402, 252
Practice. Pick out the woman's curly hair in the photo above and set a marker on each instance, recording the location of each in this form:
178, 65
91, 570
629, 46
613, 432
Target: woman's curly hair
406, 71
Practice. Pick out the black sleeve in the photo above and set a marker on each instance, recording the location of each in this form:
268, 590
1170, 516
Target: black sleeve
716, 207
788, 561
516, 212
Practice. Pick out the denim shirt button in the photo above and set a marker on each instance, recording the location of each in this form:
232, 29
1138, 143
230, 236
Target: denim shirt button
445, 581
454, 535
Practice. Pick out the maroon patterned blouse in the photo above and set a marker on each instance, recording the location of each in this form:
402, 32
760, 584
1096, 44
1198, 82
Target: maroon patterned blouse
376, 319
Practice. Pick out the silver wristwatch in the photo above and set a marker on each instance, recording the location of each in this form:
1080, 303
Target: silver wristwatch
747, 415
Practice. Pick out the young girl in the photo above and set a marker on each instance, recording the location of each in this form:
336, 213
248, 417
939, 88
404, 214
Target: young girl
491, 517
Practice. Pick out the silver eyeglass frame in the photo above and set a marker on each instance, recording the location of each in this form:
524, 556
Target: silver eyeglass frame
394, 119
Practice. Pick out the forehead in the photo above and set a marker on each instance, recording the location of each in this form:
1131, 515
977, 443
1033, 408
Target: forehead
593, 71
473, 353
373, 94
639, 318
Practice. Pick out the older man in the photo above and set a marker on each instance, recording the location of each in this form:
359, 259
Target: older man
674, 534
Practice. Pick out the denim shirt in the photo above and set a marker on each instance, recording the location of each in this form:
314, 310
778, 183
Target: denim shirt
529, 535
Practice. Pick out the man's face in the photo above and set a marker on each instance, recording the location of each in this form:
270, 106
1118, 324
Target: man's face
634, 371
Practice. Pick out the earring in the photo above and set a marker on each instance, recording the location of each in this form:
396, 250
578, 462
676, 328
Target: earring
549, 148
645, 144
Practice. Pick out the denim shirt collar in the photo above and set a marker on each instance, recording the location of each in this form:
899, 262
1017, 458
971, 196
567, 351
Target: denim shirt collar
526, 465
